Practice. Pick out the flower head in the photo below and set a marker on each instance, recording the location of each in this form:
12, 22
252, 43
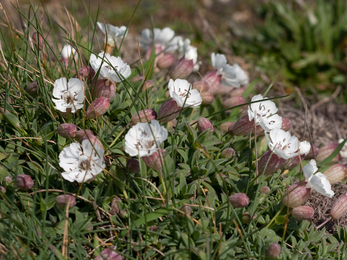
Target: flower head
161, 37
68, 94
67, 51
318, 181
112, 32
188, 51
110, 67
231, 75
181, 91
144, 139
81, 163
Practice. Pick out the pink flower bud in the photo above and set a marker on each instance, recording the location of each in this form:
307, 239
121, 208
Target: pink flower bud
148, 83
82, 133
237, 92
168, 111
108, 254
265, 190
98, 107
171, 124
157, 50
286, 124
204, 124
38, 40
143, 116
62, 200
228, 153
213, 80
24, 182
187, 210
8, 180
246, 218
201, 86
269, 163
244, 127
2, 189
224, 91
312, 154
133, 165
336, 173
207, 98
303, 213
326, 151
225, 126
67, 130
154, 161
295, 161
339, 207
239, 200
104, 88
233, 101
296, 195
115, 206
165, 61
86, 73
94, 141
273, 251
182, 69
32, 89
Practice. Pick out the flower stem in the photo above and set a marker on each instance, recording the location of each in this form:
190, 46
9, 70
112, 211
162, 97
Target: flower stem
273, 219
162, 181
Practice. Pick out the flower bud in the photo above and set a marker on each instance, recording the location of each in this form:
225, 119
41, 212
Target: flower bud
38, 40
265, 190
244, 127
186, 209
2, 189
336, 173
108, 254
24, 182
326, 151
98, 107
239, 200
8, 180
339, 207
94, 141
86, 73
182, 69
225, 126
228, 153
270, 163
171, 124
297, 194
168, 111
213, 80
312, 153
148, 83
115, 206
83, 133
32, 89
133, 165
201, 86
165, 61
246, 218
154, 161
67, 130
104, 88
207, 98
237, 92
143, 116
224, 91
303, 213
233, 101
286, 124
273, 251
157, 50
62, 200
204, 124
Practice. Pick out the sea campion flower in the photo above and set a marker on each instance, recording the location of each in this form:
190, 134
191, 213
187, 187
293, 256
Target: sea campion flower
264, 113
111, 68
144, 139
232, 76
162, 38
181, 91
112, 33
67, 51
68, 95
81, 163
317, 180
188, 51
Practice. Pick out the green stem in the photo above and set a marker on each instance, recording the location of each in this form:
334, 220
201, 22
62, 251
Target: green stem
273, 219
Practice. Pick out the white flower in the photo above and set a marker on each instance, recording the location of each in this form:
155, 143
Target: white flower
232, 76
304, 147
181, 91
144, 139
264, 113
343, 151
112, 32
107, 71
68, 95
318, 181
81, 163
162, 37
189, 52
67, 51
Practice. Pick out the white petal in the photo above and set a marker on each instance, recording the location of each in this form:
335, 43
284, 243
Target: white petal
304, 147
320, 183
310, 169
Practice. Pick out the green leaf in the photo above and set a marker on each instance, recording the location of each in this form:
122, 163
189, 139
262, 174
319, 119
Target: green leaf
332, 156
152, 216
